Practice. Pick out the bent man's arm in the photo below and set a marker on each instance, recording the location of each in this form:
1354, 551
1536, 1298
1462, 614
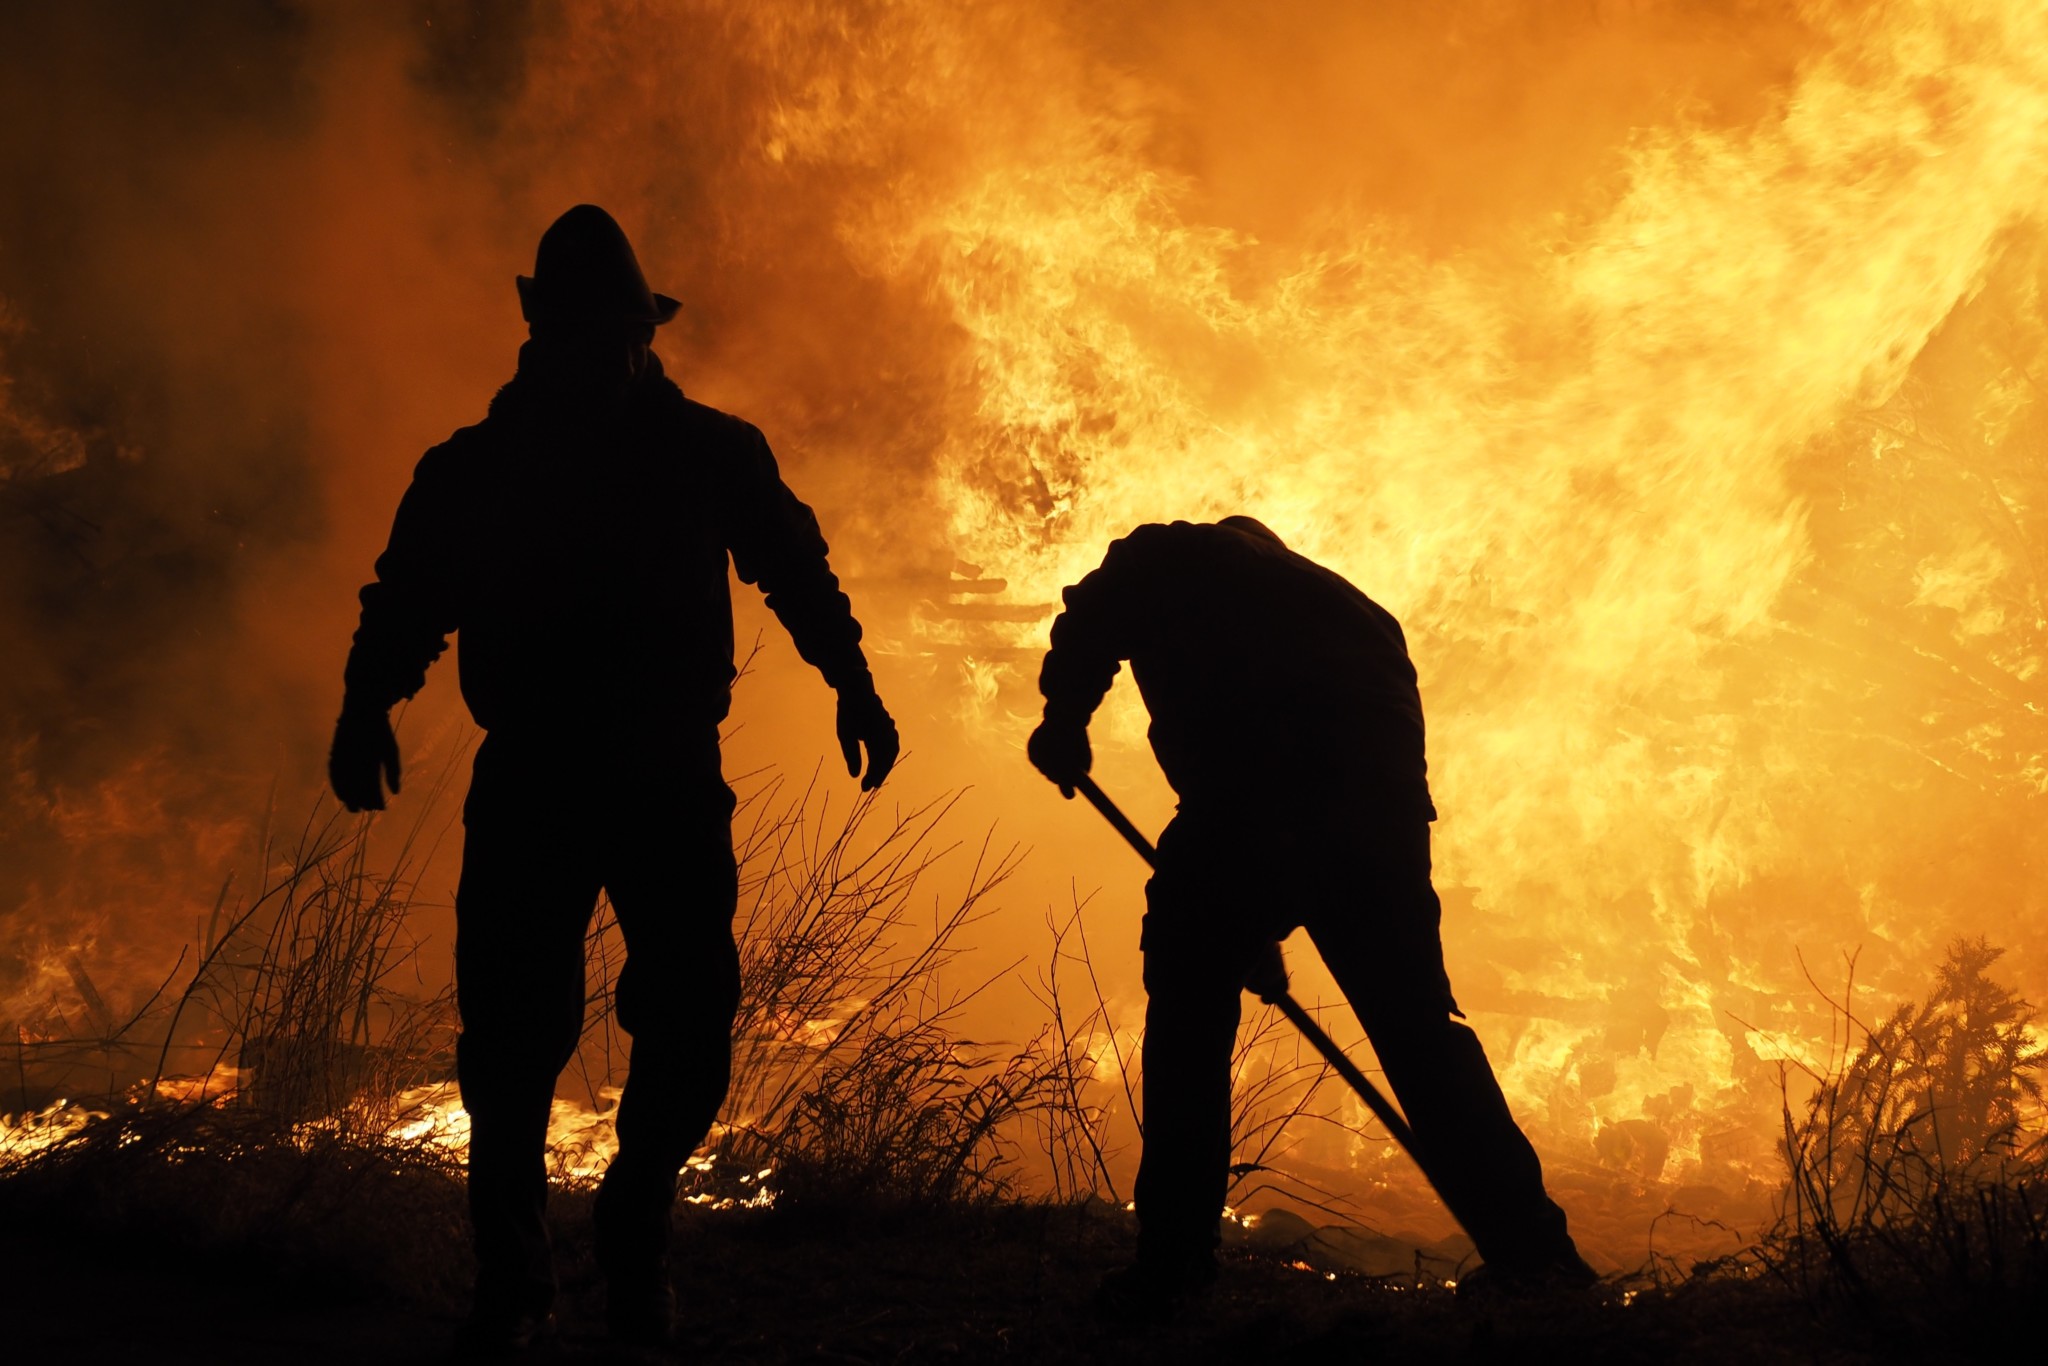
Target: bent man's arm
1097, 631
1090, 640
776, 544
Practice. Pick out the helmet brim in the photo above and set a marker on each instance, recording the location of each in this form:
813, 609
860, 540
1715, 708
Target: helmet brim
533, 306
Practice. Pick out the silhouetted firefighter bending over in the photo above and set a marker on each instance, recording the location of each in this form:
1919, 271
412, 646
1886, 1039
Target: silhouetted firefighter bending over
577, 539
1286, 716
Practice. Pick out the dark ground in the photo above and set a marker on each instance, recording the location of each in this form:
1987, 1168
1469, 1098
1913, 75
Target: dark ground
366, 1264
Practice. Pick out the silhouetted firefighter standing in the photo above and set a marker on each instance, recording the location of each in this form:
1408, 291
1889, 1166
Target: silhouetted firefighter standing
577, 539
1286, 716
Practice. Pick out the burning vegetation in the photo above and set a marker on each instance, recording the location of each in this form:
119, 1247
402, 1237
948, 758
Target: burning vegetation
1908, 1202
1674, 371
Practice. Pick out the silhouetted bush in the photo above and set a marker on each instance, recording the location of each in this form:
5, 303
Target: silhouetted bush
1915, 1194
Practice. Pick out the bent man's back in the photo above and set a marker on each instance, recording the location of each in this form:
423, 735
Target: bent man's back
1266, 674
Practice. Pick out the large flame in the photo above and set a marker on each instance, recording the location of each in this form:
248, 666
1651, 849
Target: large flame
1692, 433
1573, 468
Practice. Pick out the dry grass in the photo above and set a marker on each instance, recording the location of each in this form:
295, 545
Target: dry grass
303, 1023
1281, 1087
1914, 1217
1913, 1209
849, 1077
1921, 1158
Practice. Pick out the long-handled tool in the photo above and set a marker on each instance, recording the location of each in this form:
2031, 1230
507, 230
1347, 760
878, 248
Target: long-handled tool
1276, 994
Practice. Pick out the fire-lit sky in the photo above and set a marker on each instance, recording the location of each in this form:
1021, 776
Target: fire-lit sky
1670, 368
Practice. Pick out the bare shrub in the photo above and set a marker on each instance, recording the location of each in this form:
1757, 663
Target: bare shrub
301, 1006
324, 1027
310, 993
1073, 1124
1916, 1168
1278, 1088
850, 1078
1279, 1091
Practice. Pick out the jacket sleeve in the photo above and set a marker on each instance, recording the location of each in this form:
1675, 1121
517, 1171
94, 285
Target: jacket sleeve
776, 544
413, 605
1098, 630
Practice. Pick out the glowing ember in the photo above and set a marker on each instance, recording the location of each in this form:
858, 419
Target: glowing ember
218, 1085
24, 1135
581, 1141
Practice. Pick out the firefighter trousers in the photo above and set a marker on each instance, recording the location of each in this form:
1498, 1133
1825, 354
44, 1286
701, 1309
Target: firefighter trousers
551, 821
1218, 894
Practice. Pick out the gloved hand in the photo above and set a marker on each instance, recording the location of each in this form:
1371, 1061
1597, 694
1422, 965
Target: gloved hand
1060, 751
1267, 978
863, 720
363, 757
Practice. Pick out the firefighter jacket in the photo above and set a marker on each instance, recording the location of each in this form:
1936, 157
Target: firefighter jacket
1272, 681
583, 563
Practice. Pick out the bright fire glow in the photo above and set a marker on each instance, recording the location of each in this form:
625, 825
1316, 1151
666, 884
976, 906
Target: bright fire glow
1674, 372
581, 1141
1614, 477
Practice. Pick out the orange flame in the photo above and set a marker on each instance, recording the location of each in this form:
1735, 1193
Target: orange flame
1574, 469
1703, 482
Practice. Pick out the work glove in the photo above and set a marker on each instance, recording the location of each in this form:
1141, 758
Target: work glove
863, 720
1267, 978
1060, 751
363, 758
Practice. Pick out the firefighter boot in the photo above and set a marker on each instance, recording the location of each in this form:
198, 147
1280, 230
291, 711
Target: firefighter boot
632, 1228
1153, 1289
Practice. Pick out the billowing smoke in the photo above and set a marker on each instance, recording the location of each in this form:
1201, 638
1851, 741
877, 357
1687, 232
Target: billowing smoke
154, 464
1673, 370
